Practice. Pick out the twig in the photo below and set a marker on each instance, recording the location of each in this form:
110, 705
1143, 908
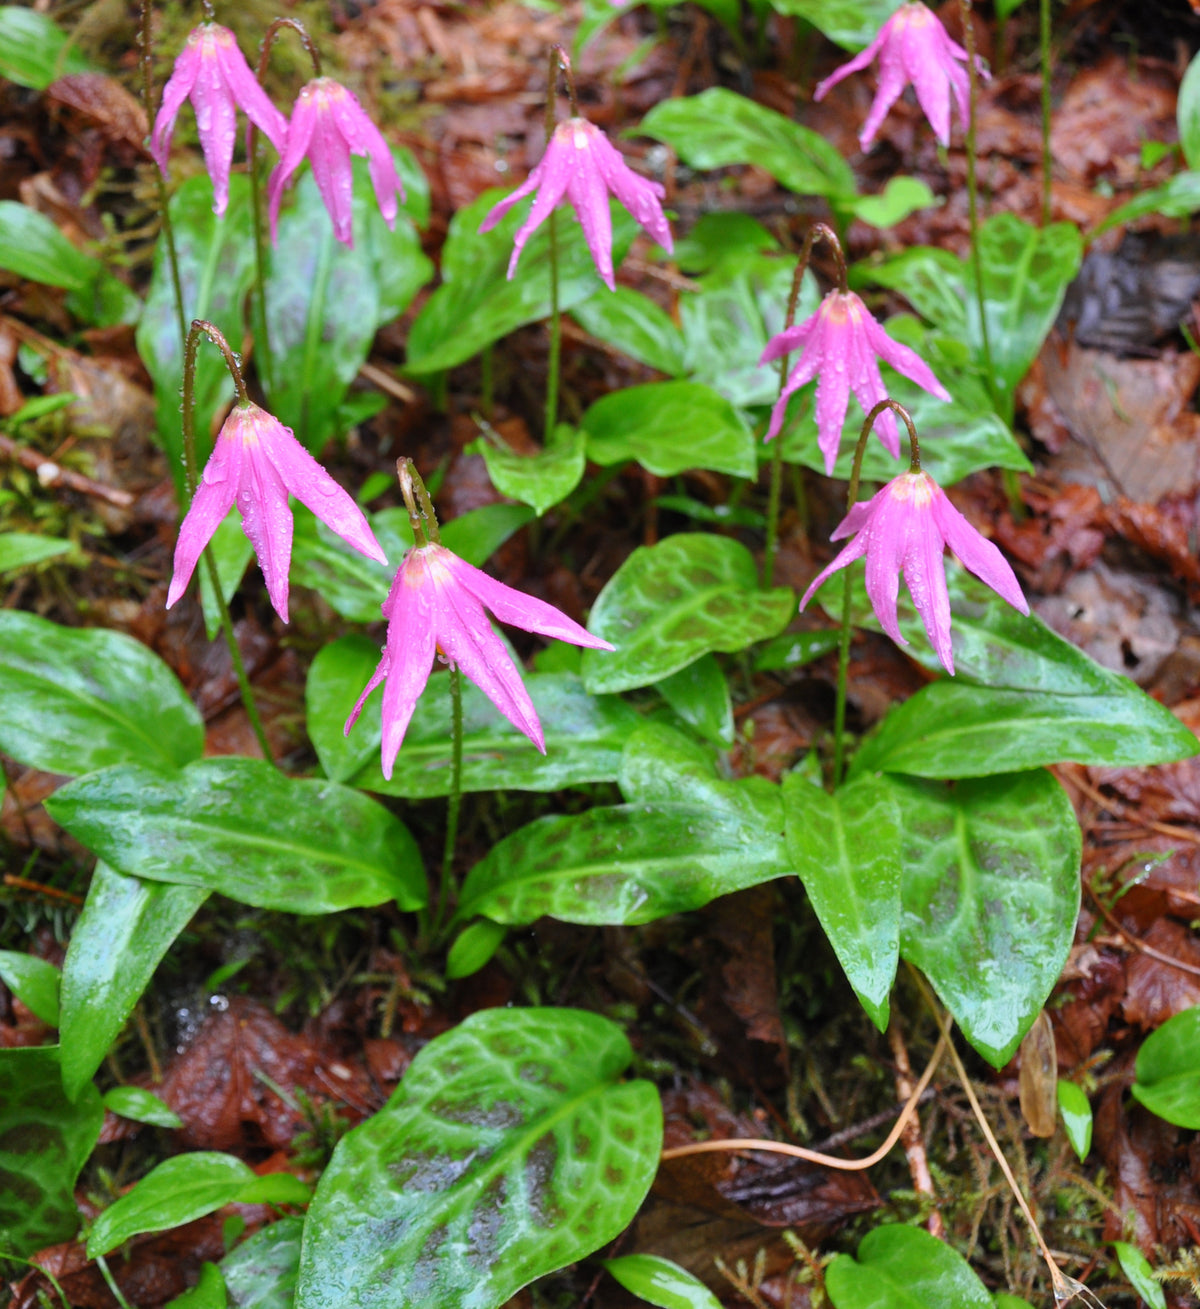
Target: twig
394, 387
1137, 942
914, 1145
52, 892
815, 1156
51, 474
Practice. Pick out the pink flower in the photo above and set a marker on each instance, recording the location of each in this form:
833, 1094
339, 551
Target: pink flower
437, 603
840, 342
905, 527
581, 163
256, 462
213, 72
913, 46
329, 125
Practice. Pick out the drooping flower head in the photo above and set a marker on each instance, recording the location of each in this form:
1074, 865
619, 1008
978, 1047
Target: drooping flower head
905, 528
436, 604
840, 343
257, 462
329, 125
582, 164
913, 46
212, 71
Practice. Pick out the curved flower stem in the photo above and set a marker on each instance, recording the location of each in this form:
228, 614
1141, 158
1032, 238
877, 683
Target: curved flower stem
259, 300
202, 328
164, 210
421, 516
815, 1156
817, 232
559, 59
839, 713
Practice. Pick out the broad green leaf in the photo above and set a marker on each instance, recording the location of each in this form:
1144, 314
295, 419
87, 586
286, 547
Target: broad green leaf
1177, 198
510, 1148
473, 947
661, 1282
933, 281
261, 1272
669, 427
20, 549
476, 304
1021, 697
901, 1267
852, 24
178, 1190
541, 480
672, 602
624, 864
719, 127
846, 849
793, 649
720, 238
1077, 1117
957, 437
1002, 1300
232, 553
126, 927
989, 898
1168, 1070
34, 50
350, 583
240, 827
208, 1293
74, 699
325, 302
140, 1106
216, 267
902, 196
636, 325
584, 734
33, 981
1136, 1267
476, 535
44, 1142
32, 246
275, 1188
740, 305
699, 694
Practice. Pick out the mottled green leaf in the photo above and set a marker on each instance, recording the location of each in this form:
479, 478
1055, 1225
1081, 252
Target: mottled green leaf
240, 827
584, 734
34, 50
659, 1281
140, 1106
126, 927
44, 1142
1136, 1267
473, 947
851, 24
901, 1267
178, 1190
20, 549
846, 849
1177, 198
216, 267
541, 480
33, 981
261, 1272
1168, 1070
699, 694
720, 127
73, 699
636, 325
902, 196
476, 304
669, 427
510, 1148
990, 897
672, 602
208, 1293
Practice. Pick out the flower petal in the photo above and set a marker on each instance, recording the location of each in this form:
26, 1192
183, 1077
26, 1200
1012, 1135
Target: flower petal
553, 173
364, 138
210, 504
588, 194
266, 520
329, 155
977, 554
411, 641
299, 134
925, 572
178, 88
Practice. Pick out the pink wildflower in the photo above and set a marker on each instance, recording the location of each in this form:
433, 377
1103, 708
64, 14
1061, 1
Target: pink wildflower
581, 163
913, 46
256, 462
905, 527
213, 72
839, 343
329, 125
437, 603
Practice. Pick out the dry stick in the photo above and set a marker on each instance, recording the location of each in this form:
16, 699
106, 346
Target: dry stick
815, 1156
1137, 942
817, 232
51, 892
259, 306
51, 474
1065, 1288
914, 1145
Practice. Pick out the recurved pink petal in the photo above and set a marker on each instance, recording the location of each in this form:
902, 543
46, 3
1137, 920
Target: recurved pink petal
210, 504
555, 175
859, 62
893, 77
904, 360
381, 671
216, 123
977, 554
847, 555
929, 77
885, 540
589, 196
364, 138
790, 339
640, 196
178, 88
804, 371
266, 520
925, 573
501, 207
330, 158
411, 642
245, 90
299, 134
